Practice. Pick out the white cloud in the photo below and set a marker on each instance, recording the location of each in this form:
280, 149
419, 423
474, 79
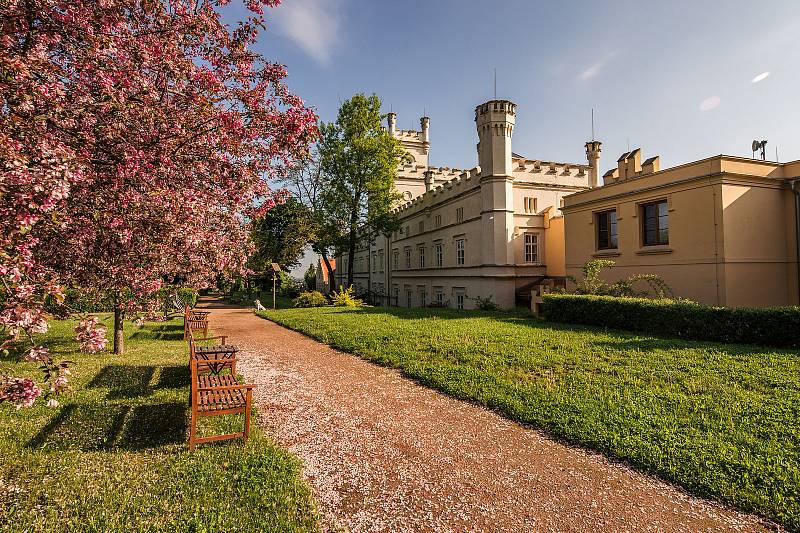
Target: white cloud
710, 103
594, 69
761, 77
312, 24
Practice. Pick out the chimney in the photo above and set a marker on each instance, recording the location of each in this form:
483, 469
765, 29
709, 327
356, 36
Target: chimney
651, 165
392, 119
593, 157
424, 122
630, 164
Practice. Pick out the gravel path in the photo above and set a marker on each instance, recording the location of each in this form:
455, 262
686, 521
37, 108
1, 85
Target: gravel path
385, 454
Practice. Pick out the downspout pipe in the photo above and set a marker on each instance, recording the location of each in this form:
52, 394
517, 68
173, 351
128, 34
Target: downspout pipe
795, 184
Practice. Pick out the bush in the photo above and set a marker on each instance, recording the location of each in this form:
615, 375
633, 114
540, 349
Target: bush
485, 304
777, 326
188, 296
310, 299
288, 286
345, 298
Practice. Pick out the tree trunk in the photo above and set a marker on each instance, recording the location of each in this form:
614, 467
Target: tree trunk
351, 252
351, 255
330, 271
119, 333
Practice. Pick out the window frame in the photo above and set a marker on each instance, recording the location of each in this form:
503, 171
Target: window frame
658, 227
408, 258
534, 256
459, 215
421, 254
612, 236
439, 254
461, 256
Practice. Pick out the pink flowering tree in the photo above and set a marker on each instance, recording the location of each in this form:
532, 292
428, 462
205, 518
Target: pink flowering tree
135, 140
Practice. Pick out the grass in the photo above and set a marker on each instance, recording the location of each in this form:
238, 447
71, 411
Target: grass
113, 456
721, 420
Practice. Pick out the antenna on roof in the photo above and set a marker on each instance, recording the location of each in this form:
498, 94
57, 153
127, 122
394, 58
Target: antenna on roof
760, 145
592, 123
495, 83
629, 144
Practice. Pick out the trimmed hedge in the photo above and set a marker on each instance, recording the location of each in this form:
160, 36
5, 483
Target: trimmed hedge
777, 326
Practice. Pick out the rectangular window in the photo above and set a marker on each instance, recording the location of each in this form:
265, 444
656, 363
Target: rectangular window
422, 257
607, 230
374, 262
408, 257
459, 215
531, 248
409, 298
421, 226
380, 260
460, 301
423, 297
530, 204
396, 296
460, 252
439, 297
439, 254
437, 221
408, 231
395, 259
655, 224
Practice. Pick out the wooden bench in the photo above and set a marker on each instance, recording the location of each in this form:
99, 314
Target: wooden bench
214, 393
194, 321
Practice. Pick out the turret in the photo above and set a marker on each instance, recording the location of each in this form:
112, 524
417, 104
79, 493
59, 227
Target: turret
593, 157
392, 120
424, 123
430, 181
495, 123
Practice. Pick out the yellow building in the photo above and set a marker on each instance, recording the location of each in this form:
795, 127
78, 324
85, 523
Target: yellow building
720, 231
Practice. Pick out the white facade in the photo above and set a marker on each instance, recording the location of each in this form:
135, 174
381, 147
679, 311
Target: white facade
494, 231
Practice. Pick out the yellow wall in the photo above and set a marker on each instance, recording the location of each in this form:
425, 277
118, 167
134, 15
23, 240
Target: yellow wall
731, 231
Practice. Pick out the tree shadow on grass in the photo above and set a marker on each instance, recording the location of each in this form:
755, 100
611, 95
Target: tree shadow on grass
125, 381
89, 427
99, 427
173, 377
162, 332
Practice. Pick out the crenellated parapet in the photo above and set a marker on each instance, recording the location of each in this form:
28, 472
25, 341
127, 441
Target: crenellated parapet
630, 165
451, 182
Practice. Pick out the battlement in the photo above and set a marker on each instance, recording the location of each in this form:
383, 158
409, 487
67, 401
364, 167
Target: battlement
630, 165
493, 108
535, 166
452, 182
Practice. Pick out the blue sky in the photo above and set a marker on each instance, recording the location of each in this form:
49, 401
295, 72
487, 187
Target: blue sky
674, 78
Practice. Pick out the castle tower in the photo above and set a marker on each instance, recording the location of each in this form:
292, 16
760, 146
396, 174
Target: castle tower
593, 157
495, 121
392, 120
424, 124
430, 180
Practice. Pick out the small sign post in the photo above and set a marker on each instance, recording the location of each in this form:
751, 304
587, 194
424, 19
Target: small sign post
275, 269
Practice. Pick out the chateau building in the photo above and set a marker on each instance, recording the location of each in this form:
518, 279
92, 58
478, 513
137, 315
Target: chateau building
493, 231
720, 231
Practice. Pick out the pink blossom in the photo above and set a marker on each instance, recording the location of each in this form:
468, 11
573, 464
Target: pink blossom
91, 335
38, 353
22, 392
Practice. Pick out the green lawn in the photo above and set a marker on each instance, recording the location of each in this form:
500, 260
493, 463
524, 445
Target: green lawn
113, 456
720, 420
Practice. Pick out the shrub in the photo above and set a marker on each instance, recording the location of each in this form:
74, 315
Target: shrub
310, 299
188, 296
679, 318
593, 284
345, 298
485, 304
288, 286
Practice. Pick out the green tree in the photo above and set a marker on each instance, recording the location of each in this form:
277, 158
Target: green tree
310, 278
306, 182
280, 236
358, 159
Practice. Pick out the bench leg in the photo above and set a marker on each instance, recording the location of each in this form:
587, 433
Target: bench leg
192, 429
247, 409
